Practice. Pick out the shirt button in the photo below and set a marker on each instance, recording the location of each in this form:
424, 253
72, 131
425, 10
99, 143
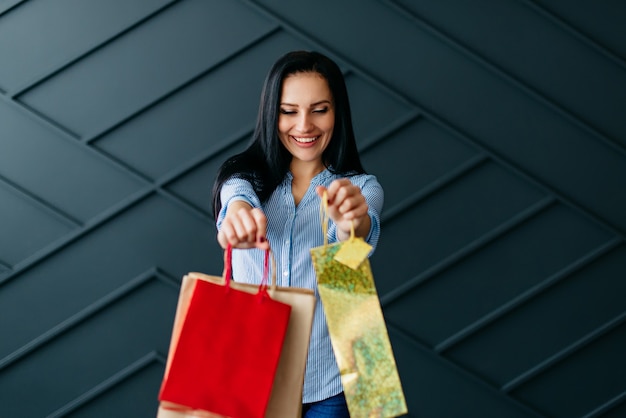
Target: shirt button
286, 242
285, 273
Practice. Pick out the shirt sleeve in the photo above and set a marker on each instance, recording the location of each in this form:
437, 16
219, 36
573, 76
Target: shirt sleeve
235, 189
374, 195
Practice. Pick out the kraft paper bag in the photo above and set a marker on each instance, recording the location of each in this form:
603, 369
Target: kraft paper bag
286, 393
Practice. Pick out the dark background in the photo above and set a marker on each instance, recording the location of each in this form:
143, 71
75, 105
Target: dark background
496, 128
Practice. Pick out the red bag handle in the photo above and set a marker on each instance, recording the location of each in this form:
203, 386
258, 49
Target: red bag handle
228, 269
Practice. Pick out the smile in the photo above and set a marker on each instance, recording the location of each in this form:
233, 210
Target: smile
305, 140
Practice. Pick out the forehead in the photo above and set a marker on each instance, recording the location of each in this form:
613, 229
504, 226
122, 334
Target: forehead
305, 88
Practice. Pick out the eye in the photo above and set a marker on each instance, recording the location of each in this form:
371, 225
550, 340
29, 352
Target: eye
321, 110
287, 112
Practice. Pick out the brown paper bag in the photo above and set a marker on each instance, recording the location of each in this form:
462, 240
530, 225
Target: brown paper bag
286, 395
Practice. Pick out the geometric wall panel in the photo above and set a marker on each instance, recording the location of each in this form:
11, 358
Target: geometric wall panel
601, 23
65, 30
30, 152
195, 186
131, 397
526, 257
154, 234
602, 363
42, 229
526, 336
462, 212
495, 129
425, 376
122, 74
431, 154
201, 118
91, 351
374, 111
596, 99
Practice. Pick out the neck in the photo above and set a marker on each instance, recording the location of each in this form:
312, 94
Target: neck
306, 170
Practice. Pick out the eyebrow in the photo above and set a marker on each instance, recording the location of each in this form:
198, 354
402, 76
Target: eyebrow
312, 104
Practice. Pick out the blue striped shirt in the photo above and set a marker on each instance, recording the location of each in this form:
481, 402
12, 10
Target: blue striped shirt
292, 231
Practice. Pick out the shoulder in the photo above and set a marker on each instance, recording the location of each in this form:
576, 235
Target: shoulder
236, 187
363, 179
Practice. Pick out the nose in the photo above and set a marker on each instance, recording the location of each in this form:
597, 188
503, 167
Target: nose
304, 123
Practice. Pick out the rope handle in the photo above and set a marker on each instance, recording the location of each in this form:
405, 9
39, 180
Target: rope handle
228, 269
324, 218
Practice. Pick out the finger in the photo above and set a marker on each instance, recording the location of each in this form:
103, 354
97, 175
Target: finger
334, 187
228, 233
352, 202
261, 229
320, 190
342, 197
240, 226
356, 213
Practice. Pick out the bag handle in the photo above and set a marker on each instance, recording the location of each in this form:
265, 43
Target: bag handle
325, 219
228, 269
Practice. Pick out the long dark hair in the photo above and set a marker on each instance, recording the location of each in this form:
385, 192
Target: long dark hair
266, 161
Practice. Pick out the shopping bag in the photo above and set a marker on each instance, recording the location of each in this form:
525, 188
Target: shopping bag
286, 395
357, 327
227, 349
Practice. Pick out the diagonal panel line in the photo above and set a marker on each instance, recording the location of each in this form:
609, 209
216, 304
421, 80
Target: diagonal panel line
183, 85
73, 139
184, 204
108, 384
4, 266
576, 32
59, 68
526, 296
578, 121
563, 354
607, 406
86, 313
450, 365
433, 187
125, 204
390, 129
75, 235
41, 203
301, 34
12, 7
467, 250
440, 122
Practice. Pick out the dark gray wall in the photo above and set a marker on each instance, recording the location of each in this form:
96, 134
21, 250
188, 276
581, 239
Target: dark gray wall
496, 127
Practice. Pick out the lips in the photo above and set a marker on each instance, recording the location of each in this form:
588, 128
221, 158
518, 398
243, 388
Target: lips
305, 140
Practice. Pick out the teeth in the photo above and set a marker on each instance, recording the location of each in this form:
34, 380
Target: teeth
305, 140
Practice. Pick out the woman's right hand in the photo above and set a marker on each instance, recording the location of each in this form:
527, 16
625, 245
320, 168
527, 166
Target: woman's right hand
243, 227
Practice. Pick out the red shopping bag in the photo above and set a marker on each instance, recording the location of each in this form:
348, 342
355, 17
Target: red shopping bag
227, 352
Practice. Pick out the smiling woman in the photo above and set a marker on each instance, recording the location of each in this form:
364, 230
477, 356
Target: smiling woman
305, 126
269, 196
307, 115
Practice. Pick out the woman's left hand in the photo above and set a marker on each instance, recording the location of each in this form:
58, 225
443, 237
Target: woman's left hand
346, 204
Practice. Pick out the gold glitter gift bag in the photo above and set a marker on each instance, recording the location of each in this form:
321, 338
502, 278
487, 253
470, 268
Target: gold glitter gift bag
357, 327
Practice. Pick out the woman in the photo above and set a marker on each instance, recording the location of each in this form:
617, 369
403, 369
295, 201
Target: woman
269, 195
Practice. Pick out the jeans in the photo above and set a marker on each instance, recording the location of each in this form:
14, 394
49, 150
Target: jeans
333, 407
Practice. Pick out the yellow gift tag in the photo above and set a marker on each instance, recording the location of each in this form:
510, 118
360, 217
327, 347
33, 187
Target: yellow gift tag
353, 252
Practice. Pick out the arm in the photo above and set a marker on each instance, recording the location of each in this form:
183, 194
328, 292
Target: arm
240, 223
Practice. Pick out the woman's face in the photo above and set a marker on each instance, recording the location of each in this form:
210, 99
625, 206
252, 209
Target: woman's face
307, 117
